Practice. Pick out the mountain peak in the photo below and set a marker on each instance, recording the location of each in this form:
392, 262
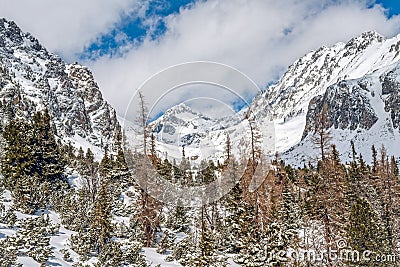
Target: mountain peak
35, 79
11, 37
182, 108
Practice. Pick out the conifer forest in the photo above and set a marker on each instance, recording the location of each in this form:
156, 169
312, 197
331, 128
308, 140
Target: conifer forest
309, 211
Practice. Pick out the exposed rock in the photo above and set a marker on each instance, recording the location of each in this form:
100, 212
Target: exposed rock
32, 79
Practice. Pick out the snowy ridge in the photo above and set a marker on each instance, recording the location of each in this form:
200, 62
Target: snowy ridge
203, 137
286, 103
362, 110
33, 79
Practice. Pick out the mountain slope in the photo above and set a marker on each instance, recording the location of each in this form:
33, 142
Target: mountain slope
203, 137
287, 103
364, 110
32, 79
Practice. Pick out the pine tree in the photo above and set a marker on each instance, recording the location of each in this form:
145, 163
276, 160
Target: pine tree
206, 253
374, 159
8, 254
49, 163
120, 167
132, 254
101, 226
239, 221
89, 171
111, 255
177, 220
18, 163
183, 250
106, 164
75, 210
32, 165
165, 170
33, 237
366, 232
166, 242
289, 215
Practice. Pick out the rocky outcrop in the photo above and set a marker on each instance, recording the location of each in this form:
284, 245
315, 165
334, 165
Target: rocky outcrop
32, 79
348, 107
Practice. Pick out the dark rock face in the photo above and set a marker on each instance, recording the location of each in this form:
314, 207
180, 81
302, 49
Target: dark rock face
391, 87
349, 104
348, 108
390, 84
32, 79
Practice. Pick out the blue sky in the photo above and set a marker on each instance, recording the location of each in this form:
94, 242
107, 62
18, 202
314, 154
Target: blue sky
133, 29
393, 6
124, 42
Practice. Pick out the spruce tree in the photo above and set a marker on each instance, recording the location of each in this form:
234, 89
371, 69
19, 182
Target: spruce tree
101, 226
239, 221
8, 253
49, 163
32, 165
366, 232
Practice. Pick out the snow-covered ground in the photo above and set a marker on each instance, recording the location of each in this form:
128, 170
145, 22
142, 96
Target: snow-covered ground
59, 241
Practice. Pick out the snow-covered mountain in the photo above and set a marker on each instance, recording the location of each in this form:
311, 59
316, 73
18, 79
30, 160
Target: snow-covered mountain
358, 80
358, 76
203, 137
32, 79
364, 110
287, 101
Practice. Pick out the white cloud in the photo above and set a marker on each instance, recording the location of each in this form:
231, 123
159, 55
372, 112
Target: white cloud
258, 37
66, 27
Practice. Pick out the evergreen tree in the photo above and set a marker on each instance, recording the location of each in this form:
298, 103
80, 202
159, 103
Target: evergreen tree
111, 255
48, 161
75, 210
89, 171
239, 221
32, 165
101, 226
106, 164
366, 232
177, 220
206, 253
8, 253
289, 216
33, 237
374, 159
120, 167
166, 242
132, 254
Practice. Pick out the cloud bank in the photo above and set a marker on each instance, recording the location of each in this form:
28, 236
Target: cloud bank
258, 37
66, 27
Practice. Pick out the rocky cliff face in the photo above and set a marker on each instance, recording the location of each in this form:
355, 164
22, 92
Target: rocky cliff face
32, 79
391, 90
364, 110
348, 107
359, 83
350, 102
